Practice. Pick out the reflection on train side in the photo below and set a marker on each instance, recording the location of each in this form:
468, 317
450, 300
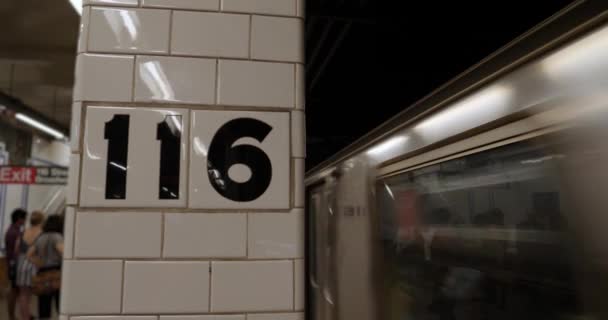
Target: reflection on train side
484, 236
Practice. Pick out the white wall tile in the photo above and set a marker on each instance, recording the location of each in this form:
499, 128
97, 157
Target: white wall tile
300, 86
276, 235
300, 278
250, 83
210, 34
129, 30
103, 77
298, 134
298, 180
132, 235
301, 10
83, 30
218, 235
75, 127
166, 287
251, 286
114, 318
278, 7
112, 2
209, 317
276, 316
73, 180
271, 130
171, 79
91, 287
68, 233
277, 38
184, 4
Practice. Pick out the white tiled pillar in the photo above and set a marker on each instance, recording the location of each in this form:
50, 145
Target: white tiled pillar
186, 178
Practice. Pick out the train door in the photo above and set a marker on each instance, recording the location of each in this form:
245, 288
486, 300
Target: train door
315, 297
321, 253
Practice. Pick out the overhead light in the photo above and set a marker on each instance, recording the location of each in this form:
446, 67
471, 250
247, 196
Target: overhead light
77, 4
40, 126
387, 146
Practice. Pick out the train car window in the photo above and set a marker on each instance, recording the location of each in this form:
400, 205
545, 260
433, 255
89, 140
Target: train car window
479, 237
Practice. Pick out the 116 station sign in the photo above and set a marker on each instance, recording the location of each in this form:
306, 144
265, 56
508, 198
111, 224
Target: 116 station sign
141, 157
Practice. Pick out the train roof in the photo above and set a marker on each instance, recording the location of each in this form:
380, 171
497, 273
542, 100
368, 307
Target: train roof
562, 27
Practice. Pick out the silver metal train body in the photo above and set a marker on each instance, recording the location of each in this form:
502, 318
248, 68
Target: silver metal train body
486, 200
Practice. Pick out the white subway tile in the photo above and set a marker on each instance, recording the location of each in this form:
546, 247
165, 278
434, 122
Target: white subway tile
103, 77
278, 7
218, 235
276, 235
73, 180
132, 3
298, 134
83, 30
210, 34
277, 38
91, 287
300, 278
68, 233
300, 86
251, 286
170, 79
251, 83
166, 287
75, 127
276, 316
184, 4
129, 30
114, 318
301, 10
133, 234
209, 317
298, 180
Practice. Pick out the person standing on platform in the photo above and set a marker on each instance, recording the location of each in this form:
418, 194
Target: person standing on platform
25, 268
10, 239
46, 253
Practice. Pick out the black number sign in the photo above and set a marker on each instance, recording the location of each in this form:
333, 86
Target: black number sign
170, 134
116, 131
223, 155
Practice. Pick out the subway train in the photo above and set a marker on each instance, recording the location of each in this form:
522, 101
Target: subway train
487, 199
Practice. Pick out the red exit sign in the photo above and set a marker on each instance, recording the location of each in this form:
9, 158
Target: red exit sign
17, 175
33, 175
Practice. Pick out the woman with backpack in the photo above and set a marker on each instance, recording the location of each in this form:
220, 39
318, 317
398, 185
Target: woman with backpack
26, 269
46, 253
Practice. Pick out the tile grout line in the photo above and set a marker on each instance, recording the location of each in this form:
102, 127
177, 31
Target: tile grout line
209, 300
133, 76
221, 11
217, 82
162, 234
122, 287
170, 37
180, 55
250, 52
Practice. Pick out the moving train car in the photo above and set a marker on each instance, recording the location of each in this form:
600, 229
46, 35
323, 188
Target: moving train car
488, 199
